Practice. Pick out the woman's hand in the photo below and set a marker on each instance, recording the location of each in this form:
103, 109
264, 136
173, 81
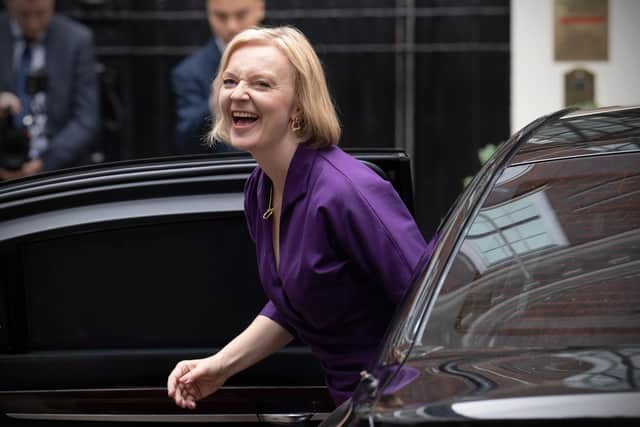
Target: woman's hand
192, 380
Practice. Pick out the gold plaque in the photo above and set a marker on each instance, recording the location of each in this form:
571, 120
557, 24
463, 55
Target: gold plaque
579, 89
581, 30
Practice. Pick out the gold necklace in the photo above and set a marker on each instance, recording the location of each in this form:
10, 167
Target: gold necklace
267, 214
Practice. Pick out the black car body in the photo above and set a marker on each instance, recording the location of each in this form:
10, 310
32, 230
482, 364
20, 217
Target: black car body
529, 311
112, 274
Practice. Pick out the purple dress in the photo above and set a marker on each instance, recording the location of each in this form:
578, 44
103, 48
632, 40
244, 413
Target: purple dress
348, 249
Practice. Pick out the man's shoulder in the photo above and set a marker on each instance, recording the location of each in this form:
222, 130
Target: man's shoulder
70, 28
5, 32
199, 62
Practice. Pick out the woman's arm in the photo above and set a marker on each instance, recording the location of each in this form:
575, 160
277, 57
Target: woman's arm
192, 380
261, 338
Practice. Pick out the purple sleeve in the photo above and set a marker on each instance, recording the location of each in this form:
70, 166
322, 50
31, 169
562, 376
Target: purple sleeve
270, 311
376, 231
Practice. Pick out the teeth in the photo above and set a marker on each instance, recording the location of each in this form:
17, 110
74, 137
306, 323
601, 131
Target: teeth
239, 114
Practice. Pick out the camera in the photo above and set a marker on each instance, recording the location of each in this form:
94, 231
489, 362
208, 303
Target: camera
14, 143
19, 143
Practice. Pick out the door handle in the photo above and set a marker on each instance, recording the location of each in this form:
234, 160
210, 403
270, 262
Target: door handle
292, 418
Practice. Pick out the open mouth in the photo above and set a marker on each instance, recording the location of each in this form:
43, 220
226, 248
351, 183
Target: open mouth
243, 118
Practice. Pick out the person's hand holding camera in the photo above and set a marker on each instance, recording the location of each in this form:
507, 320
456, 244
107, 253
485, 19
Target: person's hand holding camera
9, 102
29, 168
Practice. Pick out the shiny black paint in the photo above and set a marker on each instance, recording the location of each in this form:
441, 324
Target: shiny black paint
439, 378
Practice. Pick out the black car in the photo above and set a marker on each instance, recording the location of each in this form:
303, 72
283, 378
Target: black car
112, 274
529, 311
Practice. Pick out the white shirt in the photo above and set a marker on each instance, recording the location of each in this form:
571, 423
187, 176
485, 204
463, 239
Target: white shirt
38, 51
221, 44
38, 121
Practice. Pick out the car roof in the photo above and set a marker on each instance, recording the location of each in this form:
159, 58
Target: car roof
579, 133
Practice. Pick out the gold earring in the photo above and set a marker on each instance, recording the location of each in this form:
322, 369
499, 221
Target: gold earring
296, 124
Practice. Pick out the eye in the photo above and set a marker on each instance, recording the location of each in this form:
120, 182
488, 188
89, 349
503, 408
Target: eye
221, 16
263, 84
228, 82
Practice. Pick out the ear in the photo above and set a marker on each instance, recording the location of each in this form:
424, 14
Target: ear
296, 112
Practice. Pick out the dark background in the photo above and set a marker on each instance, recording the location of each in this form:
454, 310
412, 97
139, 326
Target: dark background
428, 76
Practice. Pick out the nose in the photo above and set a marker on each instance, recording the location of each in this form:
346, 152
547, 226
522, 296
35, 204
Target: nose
240, 91
31, 27
233, 27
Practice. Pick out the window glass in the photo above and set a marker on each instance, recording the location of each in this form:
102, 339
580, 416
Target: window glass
551, 259
143, 286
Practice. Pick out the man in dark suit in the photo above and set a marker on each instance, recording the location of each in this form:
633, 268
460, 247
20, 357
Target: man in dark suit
64, 52
193, 76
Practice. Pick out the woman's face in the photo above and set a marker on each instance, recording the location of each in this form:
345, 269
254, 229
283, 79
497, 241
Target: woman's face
257, 97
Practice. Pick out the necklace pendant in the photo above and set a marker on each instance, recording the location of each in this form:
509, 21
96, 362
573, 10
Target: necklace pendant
267, 214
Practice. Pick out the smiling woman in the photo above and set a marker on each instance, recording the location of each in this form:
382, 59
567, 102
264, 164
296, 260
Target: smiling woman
280, 60
336, 246
256, 98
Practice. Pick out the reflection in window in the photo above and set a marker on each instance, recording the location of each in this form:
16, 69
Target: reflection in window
580, 129
608, 148
556, 266
512, 229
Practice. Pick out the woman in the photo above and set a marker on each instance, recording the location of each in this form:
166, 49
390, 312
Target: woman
336, 246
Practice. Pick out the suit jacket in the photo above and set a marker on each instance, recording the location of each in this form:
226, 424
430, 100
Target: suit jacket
72, 89
191, 81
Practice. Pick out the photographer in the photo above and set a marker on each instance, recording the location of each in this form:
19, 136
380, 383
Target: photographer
48, 84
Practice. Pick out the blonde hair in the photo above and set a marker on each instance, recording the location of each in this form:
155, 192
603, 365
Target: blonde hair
319, 123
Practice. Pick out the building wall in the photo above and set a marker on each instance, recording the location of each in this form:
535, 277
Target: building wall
427, 76
537, 80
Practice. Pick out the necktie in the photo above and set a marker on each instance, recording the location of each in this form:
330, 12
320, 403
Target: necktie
21, 83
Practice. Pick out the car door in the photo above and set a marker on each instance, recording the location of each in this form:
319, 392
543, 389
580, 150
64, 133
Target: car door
111, 275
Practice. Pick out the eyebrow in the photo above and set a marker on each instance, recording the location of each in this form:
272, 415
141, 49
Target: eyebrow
225, 15
257, 75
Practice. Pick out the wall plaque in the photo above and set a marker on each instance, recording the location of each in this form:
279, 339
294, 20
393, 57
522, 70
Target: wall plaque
579, 89
581, 30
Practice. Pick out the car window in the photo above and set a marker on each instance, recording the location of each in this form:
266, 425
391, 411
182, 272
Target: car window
551, 259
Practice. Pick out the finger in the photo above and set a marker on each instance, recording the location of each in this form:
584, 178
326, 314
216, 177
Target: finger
185, 394
192, 375
171, 385
181, 397
13, 104
172, 374
180, 369
176, 395
190, 400
180, 401
190, 396
188, 376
